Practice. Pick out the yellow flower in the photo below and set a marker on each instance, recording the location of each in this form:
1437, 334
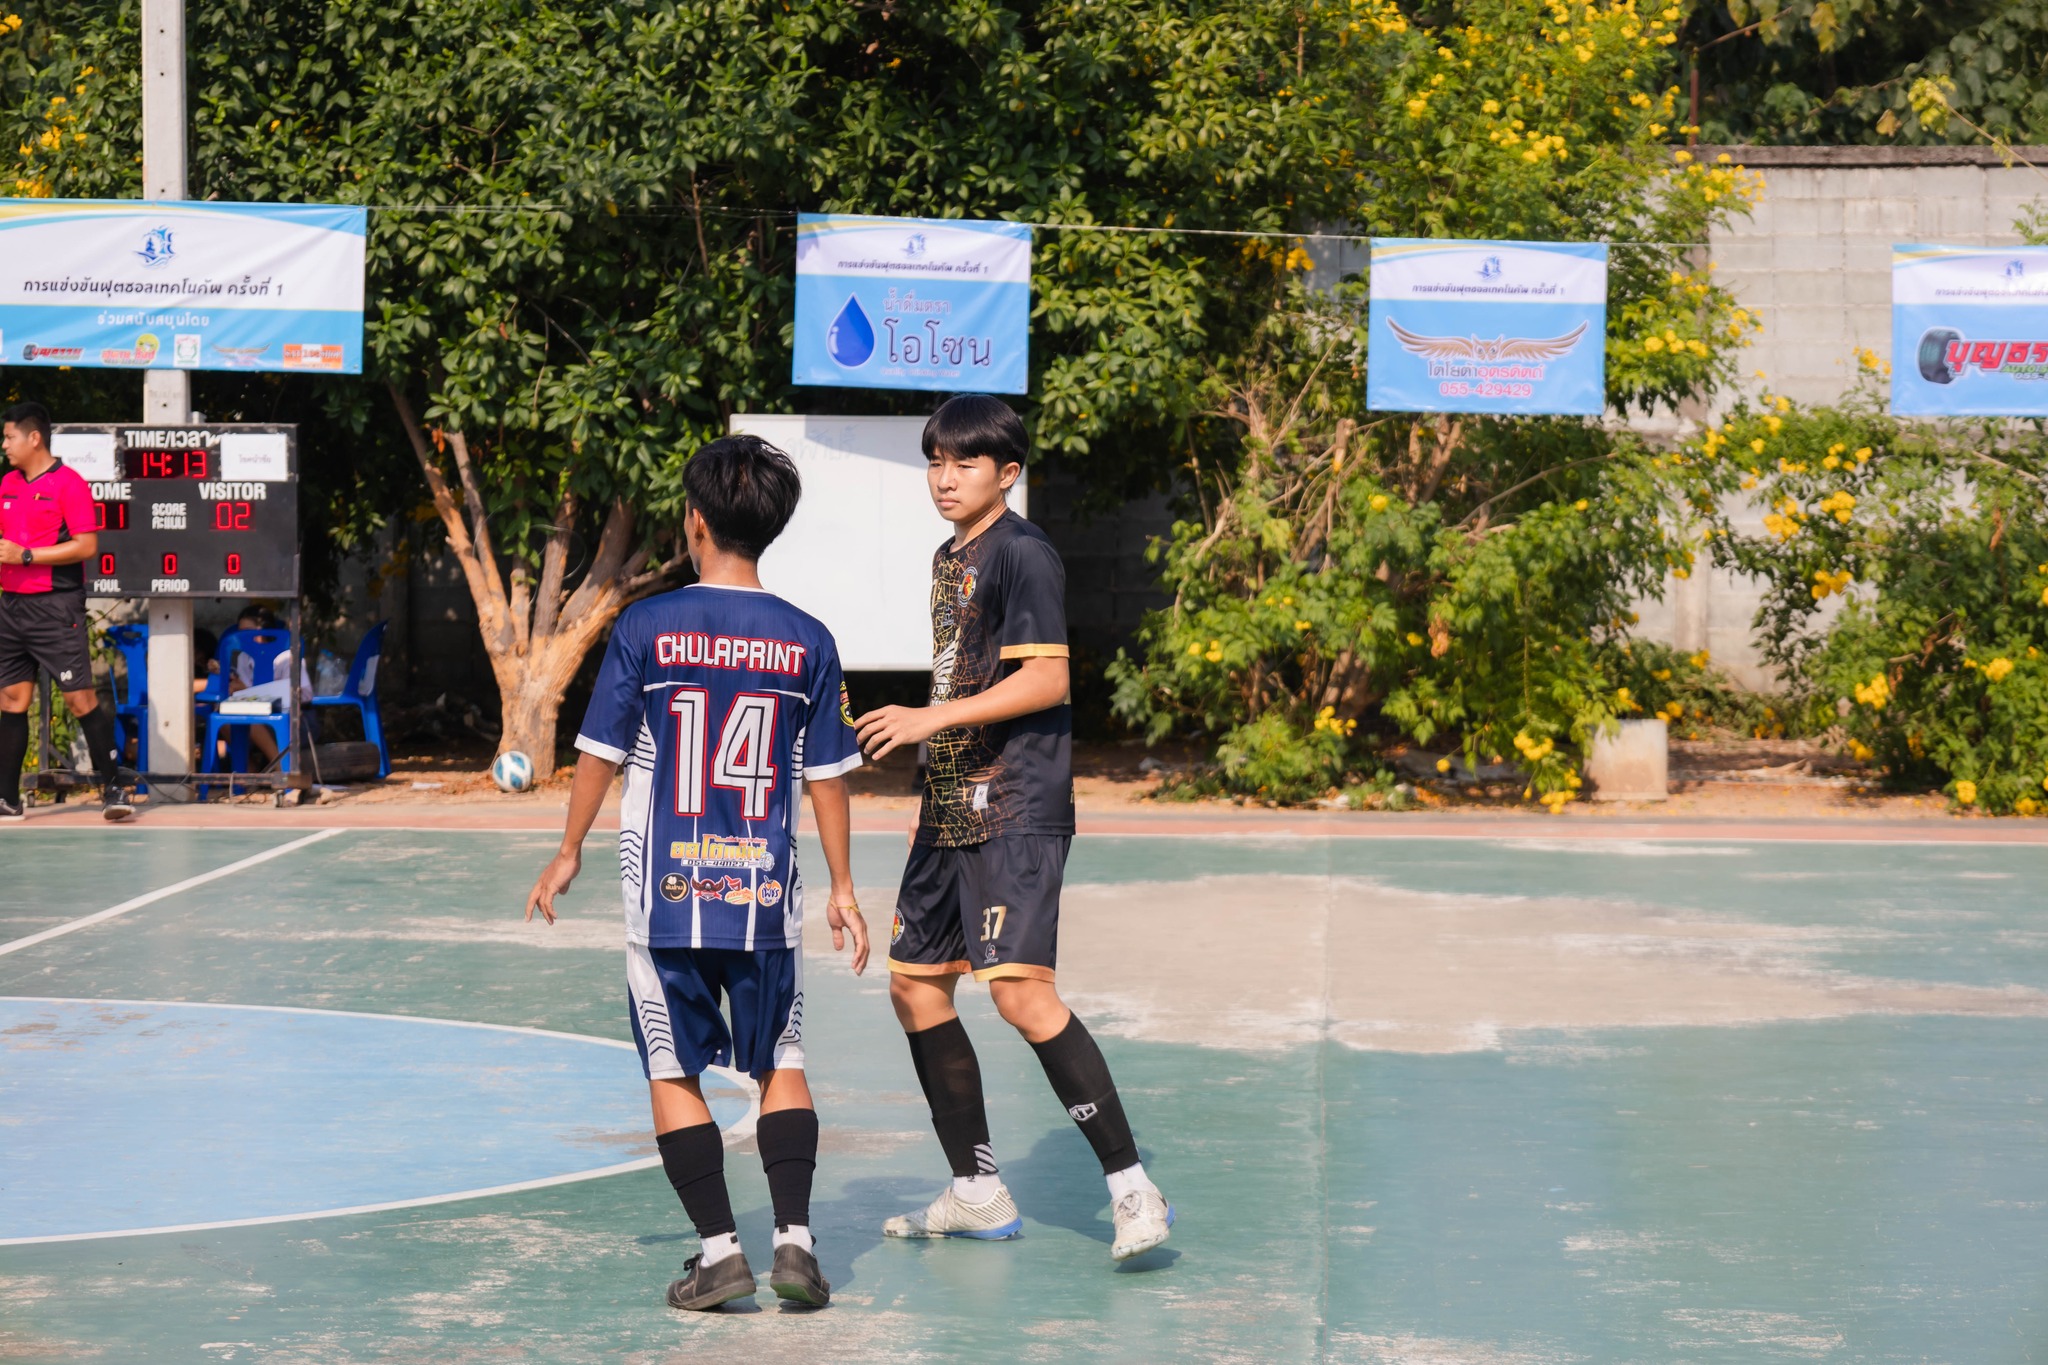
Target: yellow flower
1662, 675
1875, 693
1195, 649
1996, 670
1377, 502
1757, 445
1653, 345
1301, 625
1699, 660
1581, 505
1214, 656
2026, 805
1413, 638
1863, 455
1860, 751
1443, 765
1490, 107
1966, 792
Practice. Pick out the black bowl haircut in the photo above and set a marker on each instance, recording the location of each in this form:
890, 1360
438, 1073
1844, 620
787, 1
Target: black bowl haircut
29, 417
975, 424
746, 490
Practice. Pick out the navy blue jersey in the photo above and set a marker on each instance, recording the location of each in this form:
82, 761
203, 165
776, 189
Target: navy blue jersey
719, 702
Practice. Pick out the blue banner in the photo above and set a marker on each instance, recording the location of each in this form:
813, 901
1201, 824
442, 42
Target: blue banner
1970, 331
912, 303
1493, 327
128, 284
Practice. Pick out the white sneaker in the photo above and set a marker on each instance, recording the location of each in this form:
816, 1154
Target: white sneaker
951, 1216
1143, 1218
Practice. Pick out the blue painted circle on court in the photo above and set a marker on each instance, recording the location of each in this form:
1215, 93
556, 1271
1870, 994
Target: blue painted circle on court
119, 1115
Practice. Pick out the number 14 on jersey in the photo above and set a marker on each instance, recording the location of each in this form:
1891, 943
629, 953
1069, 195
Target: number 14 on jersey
743, 760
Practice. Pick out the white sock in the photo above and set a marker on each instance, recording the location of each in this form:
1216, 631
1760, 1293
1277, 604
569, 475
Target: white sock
718, 1248
1127, 1180
977, 1189
794, 1234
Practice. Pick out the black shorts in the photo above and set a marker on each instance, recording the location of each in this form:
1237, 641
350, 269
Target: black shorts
991, 908
46, 631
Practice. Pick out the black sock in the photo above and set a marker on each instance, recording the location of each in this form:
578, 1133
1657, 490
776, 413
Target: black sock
98, 726
951, 1077
694, 1159
13, 751
788, 1139
1080, 1077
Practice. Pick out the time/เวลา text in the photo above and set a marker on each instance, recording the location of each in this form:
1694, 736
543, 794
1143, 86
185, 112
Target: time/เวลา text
1454, 388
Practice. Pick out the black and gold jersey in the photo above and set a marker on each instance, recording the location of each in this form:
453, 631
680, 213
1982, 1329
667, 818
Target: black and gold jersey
997, 600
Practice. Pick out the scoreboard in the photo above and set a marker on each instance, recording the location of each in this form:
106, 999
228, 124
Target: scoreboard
189, 511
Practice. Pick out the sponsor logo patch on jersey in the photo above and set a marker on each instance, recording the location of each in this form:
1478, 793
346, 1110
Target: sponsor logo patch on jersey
770, 892
845, 704
675, 887
967, 584
896, 930
740, 895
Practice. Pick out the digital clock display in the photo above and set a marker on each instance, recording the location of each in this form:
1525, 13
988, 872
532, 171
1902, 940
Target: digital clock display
196, 511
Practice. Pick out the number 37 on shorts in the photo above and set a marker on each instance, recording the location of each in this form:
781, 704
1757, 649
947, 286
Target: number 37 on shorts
990, 908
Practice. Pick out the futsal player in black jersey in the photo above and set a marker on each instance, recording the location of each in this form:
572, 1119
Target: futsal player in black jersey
981, 892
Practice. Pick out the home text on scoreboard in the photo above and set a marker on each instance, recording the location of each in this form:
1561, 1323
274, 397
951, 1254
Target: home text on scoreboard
189, 511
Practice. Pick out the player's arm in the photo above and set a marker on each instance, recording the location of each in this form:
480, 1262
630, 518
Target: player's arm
1039, 684
835, 826
586, 797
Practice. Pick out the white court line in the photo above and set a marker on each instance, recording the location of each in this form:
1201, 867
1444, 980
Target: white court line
150, 898
737, 1133
639, 1164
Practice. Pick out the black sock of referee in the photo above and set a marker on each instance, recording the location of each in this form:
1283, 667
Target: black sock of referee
13, 752
98, 725
694, 1160
788, 1139
1080, 1077
951, 1076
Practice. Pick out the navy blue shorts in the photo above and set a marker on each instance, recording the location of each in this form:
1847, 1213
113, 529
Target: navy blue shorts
673, 995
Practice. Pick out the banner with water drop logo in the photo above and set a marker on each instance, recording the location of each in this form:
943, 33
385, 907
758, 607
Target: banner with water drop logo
1494, 327
912, 303
1970, 331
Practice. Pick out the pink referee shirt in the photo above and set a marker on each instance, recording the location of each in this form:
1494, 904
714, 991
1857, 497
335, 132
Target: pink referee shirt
38, 513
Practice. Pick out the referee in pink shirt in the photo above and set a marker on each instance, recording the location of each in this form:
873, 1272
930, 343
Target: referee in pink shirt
46, 536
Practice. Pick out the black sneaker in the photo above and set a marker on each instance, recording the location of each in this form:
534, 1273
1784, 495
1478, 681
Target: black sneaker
707, 1286
9, 812
796, 1276
116, 804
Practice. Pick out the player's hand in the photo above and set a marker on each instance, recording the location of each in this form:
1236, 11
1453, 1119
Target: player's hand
10, 553
889, 727
553, 881
847, 919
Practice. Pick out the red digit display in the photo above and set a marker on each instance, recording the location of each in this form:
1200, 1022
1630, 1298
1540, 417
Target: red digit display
234, 568
231, 516
110, 516
169, 464
195, 464
106, 566
170, 566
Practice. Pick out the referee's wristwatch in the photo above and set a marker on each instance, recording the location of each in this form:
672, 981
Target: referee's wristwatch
28, 556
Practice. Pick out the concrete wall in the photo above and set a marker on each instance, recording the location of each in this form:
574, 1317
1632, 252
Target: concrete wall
1815, 261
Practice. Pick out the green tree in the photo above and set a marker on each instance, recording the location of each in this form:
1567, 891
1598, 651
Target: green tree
1451, 577
1844, 71
581, 250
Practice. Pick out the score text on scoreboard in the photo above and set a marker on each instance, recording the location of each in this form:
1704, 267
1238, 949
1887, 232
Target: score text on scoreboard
192, 511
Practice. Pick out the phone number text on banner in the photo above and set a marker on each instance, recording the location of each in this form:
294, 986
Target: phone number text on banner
126, 284
1970, 331
1494, 327
912, 303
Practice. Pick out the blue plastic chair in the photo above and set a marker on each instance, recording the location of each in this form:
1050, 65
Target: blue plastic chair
262, 647
360, 691
131, 699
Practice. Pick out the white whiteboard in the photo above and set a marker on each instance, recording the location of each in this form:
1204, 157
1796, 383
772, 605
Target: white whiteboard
858, 553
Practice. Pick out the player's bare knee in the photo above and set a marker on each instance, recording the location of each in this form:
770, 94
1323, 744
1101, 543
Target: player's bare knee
1030, 1006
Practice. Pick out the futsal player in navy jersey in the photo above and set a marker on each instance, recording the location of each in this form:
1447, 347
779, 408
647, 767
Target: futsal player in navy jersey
981, 892
721, 701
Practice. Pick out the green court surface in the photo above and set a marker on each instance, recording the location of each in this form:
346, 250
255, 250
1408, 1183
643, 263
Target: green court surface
1434, 1101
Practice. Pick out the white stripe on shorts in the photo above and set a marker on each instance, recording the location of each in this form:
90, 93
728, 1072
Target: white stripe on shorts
650, 1011
789, 1048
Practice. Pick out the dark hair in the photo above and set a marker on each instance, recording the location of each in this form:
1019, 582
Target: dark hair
975, 424
30, 417
746, 491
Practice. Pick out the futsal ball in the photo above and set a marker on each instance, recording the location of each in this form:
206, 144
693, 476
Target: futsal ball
513, 771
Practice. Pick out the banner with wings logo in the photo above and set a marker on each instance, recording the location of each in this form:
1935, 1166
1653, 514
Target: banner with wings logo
1491, 327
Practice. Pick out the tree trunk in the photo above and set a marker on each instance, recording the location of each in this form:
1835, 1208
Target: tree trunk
535, 632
